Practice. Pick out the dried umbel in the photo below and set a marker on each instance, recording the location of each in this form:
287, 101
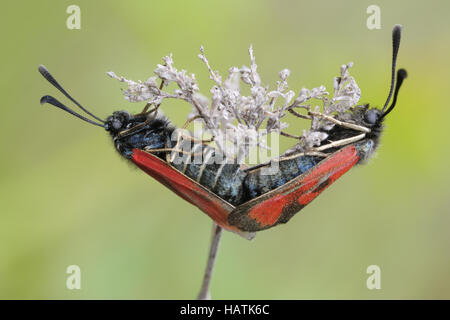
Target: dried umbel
239, 122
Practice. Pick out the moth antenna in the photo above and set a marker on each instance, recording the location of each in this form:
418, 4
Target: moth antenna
401, 75
396, 35
56, 103
47, 75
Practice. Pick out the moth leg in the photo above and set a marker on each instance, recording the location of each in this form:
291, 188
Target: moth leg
170, 153
331, 119
167, 153
145, 110
202, 141
131, 130
290, 135
281, 158
188, 121
310, 153
149, 150
176, 148
339, 143
299, 115
171, 158
147, 106
190, 137
340, 123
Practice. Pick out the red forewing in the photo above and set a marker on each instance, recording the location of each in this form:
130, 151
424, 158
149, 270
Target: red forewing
188, 189
279, 205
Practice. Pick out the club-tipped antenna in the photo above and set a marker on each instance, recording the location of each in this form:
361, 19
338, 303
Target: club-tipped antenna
396, 35
47, 75
401, 75
56, 103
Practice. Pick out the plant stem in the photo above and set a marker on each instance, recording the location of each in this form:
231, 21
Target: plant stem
214, 247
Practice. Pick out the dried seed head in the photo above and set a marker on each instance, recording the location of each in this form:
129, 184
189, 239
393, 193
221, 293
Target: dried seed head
243, 120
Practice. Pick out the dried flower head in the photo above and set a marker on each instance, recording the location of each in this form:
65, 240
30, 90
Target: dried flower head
241, 121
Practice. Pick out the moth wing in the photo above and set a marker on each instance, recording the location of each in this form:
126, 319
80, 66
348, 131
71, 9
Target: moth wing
188, 189
281, 204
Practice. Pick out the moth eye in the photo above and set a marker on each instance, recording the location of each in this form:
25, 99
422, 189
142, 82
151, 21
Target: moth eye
371, 116
116, 124
126, 115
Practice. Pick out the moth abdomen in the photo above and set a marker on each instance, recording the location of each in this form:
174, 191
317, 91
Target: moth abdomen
261, 181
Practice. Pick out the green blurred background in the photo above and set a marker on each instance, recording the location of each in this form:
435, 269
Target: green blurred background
67, 198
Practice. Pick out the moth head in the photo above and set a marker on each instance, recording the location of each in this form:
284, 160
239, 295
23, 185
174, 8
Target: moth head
117, 122
372, 116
